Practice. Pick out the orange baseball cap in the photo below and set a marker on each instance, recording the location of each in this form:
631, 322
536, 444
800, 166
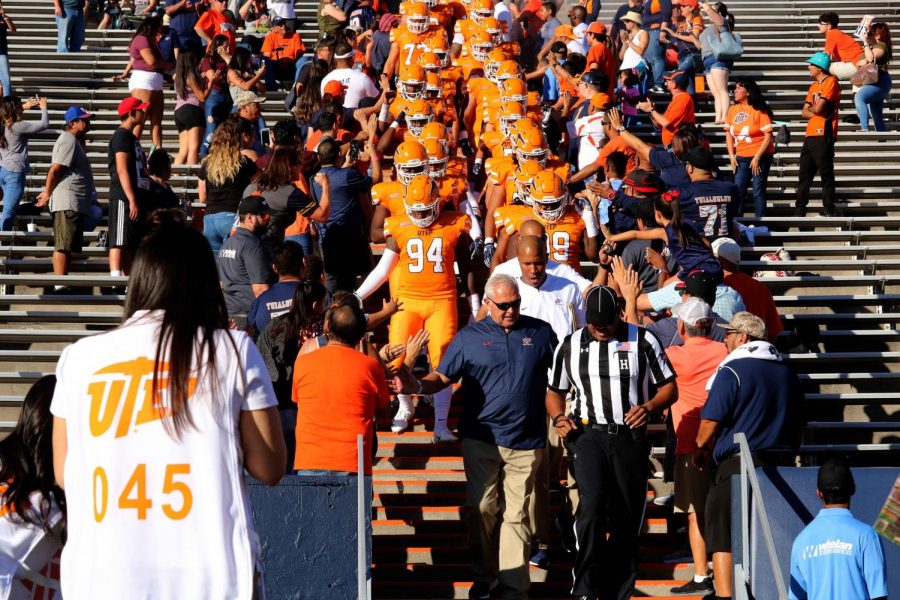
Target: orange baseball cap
596, 27
334, 87
565, 31
600, 100
691, 3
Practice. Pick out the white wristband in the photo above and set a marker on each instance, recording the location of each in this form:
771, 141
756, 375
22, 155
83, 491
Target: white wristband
475, 303
590, 225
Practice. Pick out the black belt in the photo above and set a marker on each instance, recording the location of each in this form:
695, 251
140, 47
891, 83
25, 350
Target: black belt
610, 428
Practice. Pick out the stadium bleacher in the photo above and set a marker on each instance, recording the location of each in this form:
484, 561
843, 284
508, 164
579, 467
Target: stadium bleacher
841, 300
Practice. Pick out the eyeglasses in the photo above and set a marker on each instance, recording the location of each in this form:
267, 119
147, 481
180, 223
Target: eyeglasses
505, 306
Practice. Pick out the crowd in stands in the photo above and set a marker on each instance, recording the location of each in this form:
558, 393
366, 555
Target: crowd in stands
555, 233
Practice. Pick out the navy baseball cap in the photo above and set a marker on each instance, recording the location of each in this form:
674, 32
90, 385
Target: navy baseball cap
76, 112
681, 79
253, 205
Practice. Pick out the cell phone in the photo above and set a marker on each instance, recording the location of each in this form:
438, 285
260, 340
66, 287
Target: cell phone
355, 148
266, 136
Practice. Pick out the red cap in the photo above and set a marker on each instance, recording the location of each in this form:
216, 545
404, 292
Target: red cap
597, 27
334, 87
692, 3
131, 103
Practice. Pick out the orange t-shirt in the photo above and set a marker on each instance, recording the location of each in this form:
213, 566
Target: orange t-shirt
748, 127
606, 63
679, 111
314, 137
333, 411
617, 144
277, 46
694, 363
214, 23
842, 47
830, 89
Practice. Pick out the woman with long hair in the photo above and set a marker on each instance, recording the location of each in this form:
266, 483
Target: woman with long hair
716, 70
14, 164
242, 77
190, 93
214, 68
869, 99
154, 424
146, 82
32, 506
686, 38
749, 138
223, 176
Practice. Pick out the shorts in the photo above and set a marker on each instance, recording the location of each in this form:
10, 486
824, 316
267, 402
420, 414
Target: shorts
145, 80
123, 232
189, 116
68, 231
691, 485
711, 62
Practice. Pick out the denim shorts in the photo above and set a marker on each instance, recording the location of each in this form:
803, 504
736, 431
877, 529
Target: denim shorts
711, 62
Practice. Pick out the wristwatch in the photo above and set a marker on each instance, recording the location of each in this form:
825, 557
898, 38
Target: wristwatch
620, 128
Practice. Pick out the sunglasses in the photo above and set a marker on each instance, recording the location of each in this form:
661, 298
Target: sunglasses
505, 306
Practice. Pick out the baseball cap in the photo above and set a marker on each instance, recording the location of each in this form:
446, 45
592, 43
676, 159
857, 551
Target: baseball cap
131, 103
565, 31
644, 182
334, 87
700, 158
698, 284
744, 322
821, 60
600, 100
278, 22
245, 97
691, 3
836, 479
728, 249
76, 112
692, 311
680, 78
596, 27
591, 78
632, 16
253, 205
602, 306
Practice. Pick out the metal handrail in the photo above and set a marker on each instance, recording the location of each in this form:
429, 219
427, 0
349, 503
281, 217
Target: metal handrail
361, 566
749, 482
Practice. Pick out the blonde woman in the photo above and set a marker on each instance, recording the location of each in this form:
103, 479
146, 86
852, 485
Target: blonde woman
717, 71
224, 174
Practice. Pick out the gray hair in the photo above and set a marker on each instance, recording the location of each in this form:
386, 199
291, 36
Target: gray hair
498, 280
702, 331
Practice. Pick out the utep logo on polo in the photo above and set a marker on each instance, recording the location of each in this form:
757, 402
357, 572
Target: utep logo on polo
117, 390
527, 342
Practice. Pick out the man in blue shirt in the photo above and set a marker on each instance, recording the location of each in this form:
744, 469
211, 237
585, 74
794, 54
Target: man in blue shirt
837, 556
287, 261
183, 18
503, 362
709, 205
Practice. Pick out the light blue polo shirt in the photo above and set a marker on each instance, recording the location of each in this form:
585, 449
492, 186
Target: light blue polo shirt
837, 557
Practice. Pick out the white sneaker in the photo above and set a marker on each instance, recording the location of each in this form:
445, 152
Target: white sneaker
401, 420
443, 434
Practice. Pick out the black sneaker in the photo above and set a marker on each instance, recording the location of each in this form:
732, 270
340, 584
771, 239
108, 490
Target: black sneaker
480, 591
692, 587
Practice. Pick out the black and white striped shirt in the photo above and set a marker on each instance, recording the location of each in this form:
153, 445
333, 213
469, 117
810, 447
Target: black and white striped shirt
609, 377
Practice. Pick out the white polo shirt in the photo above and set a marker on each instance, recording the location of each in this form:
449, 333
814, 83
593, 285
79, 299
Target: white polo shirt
512, 268
558, 301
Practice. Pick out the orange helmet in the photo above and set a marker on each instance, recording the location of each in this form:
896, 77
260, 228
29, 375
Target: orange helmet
418, 114
510, 112
481, 10
433, 86
534, 100
514, 90
481, 43
438, 157
410, 159
411, 82
418, 17
494, 59
549, 196
508, 69
529, 141
436, 131
524, 175
494, 28
422, 201
430, 62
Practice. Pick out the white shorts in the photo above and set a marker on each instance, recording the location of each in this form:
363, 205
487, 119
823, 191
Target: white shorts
145, 80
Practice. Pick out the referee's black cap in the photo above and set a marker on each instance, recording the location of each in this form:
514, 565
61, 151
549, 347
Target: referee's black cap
602, 306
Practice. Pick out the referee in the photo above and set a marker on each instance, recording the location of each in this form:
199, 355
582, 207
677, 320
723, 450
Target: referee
612, 366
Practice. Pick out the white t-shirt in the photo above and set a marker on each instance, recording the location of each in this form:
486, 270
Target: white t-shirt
558, 301
513, 269
577, 47
281, 8
150, 515
26, 545
590, 130
581, 30
359, 85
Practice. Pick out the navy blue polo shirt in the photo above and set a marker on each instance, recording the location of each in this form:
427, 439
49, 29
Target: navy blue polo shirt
504, 379
760, 398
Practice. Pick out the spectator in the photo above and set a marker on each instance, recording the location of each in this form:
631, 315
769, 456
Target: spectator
379, 48
757, 297
255, 15
114, 17
618, 24
694, 363
129, 180
748, 137
653, 16
870, 98
708, 204
643, 256
6, 26
716, 70
680, 110
817, 154
547, 13
853, 566
756, 394
14, 163
634, 43
216, 21
844, 51
599, 56
224, 175
320, 65
169, 42
245, 267
605, 433
217, 105
574, 42
70, 25
331, 19
160, 194
284, 9
697, 285
283, 52
357, 85
287, 264
615, 144
68, 189
146, 82
280, 343
221, 419
242, 77
191, 92
578, 20
686, 38
32, 506
183, 17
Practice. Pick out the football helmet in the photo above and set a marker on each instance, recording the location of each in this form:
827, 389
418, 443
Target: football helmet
438, 157
510, 112
481, 10
507, 69
410, 159
514, 90
494, 28
433, 86
494, 58
436, 131
418, 17
411, 83
430, 62
529, 141
549, 196
524, 175
481, 43
418, 114
422, 201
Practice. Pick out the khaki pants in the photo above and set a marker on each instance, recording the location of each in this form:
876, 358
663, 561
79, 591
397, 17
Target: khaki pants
843, 70
486, 465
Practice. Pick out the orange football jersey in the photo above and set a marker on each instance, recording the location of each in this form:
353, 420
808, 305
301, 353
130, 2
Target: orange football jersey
498, 169
458, 167
563, 236
411, 45
389, 194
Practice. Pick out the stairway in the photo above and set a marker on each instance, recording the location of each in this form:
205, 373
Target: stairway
844, 285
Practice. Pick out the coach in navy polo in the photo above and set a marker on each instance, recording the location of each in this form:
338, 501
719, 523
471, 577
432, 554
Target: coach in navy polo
503, 362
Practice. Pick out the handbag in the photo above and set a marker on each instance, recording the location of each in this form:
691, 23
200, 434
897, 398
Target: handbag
726, 45
865, 75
